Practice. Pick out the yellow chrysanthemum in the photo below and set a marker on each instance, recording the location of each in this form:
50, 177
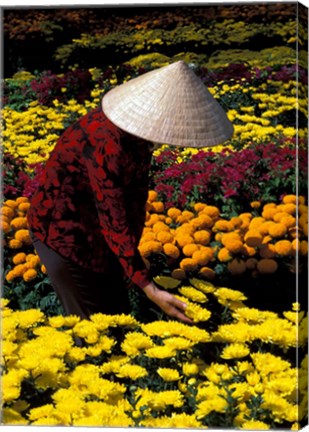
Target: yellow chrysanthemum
235, 350
193, 294
168, 374
255, 425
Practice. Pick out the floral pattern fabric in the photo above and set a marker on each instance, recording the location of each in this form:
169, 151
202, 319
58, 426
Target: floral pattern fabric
91, 200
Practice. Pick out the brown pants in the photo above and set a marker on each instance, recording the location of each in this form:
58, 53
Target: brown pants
83, 292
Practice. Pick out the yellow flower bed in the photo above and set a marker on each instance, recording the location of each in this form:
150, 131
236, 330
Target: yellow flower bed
147, 376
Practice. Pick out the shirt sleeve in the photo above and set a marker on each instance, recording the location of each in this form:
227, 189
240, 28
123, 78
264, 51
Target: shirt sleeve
106, 164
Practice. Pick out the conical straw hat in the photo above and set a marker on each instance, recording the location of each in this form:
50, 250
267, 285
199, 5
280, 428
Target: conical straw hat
169, 105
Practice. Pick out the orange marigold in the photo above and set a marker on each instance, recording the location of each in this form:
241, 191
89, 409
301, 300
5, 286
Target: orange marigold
188, 264
15, 244
253, 238
19, 258
202, 221
165, 237
277, 230
269, 213
224, 255
303, 249
236, 221
237, 266
264, 227
202, 237
256, 222
178, 274
199, 207
171, 250
173, 213
289, 199
289, 221
33, 262
160, 226
279, 215
20, 269
185, 228
189, 249
234, 245
255, 204
267, 251
289, 208
152, 196
11, 203
184, 239
157, 206
185, 216
23, 236
150, 247
251, 263
267, 265
29, 275
207, 273
152, 220
5, 227
211, 211
24, 207
148, 236
223, 225
19, 223
7, 211
284, 247
203, 256
248, 250
20, 200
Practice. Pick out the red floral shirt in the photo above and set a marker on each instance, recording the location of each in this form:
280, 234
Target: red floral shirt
92, 194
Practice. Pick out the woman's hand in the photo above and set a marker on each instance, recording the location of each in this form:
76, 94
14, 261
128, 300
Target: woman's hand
167, 302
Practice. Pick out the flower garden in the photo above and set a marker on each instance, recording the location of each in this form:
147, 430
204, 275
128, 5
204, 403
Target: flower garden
226, 228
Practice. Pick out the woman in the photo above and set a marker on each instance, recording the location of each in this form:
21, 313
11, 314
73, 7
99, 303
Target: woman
88, 213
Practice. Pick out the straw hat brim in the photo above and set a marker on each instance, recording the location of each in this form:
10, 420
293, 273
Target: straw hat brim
169, 105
